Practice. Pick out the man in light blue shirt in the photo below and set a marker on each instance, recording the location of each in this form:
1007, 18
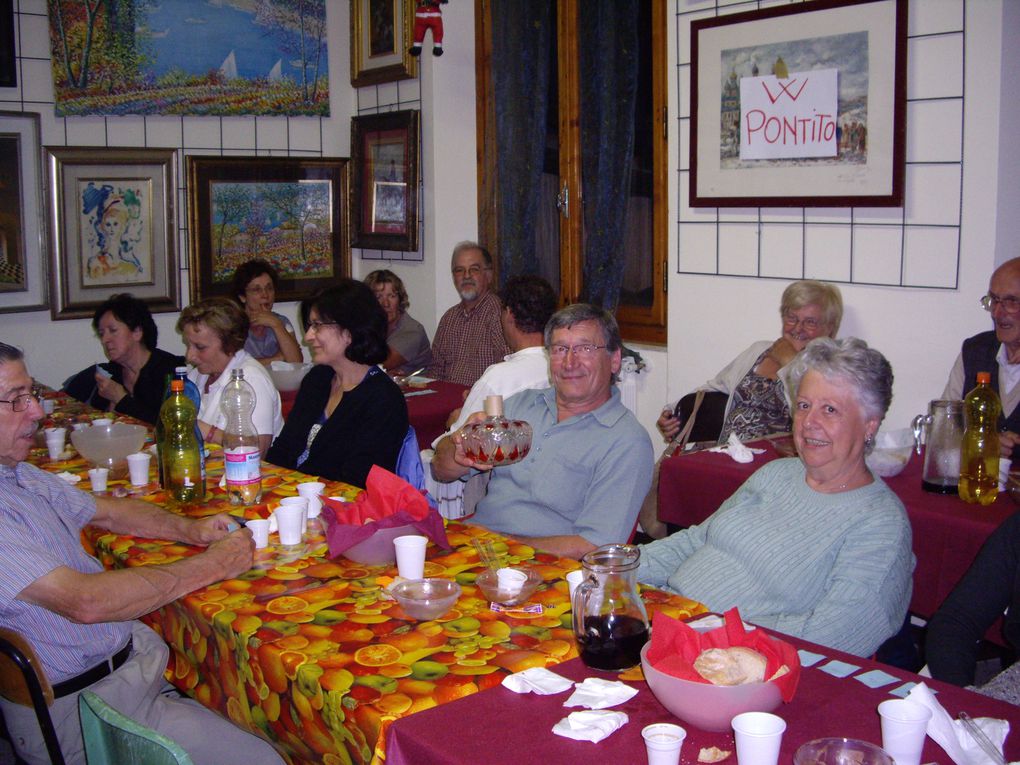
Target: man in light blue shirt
590, 464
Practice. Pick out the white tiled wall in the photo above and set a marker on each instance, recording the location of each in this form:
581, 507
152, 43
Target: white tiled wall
917, 245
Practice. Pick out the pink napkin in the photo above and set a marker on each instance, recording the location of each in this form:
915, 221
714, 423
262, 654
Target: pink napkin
675, 646
388, 501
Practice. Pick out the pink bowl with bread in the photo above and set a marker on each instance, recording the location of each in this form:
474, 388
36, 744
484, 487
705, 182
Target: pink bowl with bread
704, 705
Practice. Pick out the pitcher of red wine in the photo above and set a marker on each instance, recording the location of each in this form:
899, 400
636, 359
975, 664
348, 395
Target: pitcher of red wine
610, 622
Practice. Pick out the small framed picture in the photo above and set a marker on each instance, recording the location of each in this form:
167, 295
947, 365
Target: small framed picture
381, 41
384, 193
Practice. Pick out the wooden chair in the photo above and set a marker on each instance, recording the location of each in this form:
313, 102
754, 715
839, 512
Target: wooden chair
112, 739
23, 681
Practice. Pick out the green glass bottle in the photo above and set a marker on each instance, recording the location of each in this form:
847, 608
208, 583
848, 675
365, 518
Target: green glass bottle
181, 455
979, 455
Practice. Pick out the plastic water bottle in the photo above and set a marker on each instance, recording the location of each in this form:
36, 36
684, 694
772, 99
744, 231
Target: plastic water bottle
181, 457
159, 434
979, 455
241, 456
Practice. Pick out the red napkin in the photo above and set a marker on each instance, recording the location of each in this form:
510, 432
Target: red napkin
675, 646
387, 501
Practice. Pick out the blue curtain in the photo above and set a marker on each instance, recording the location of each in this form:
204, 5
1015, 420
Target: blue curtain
609, 76
521, 36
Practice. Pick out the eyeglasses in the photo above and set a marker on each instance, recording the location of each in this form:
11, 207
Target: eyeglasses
472, 271
22, 402
1009, 303
585, 351
315, 326
810, 324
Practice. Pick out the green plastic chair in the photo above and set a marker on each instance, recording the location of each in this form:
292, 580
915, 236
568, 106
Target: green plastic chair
113, 739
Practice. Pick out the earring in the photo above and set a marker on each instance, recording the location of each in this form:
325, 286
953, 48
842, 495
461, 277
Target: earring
869, 440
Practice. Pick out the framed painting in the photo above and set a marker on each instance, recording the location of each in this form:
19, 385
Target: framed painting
8, 61
801, 105
112, 226
384, 189
381, 41
23, 281
289, 211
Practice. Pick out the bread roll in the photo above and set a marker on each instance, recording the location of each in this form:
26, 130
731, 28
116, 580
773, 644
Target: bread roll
730, 666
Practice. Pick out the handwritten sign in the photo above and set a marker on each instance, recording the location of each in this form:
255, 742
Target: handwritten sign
790, 117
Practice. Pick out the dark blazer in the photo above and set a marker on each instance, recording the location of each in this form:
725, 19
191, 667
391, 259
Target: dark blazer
367, 428
145, 402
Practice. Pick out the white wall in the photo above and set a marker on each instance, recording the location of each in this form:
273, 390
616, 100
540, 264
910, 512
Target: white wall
711, 318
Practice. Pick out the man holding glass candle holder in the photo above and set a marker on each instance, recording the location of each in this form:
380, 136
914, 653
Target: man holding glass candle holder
590, 463
82, 619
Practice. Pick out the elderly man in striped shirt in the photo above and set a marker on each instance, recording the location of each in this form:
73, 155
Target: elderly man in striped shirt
81, 619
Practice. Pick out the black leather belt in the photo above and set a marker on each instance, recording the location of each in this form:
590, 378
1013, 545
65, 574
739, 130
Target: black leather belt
89, 676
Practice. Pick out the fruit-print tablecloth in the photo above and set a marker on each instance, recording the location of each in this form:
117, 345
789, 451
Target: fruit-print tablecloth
311, 654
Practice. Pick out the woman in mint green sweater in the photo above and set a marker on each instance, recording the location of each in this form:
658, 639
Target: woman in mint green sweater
816, 547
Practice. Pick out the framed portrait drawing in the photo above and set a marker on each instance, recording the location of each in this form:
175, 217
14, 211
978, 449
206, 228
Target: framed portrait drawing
112, 226
384, 189
380, 41
800, 105
289, 211
23, 267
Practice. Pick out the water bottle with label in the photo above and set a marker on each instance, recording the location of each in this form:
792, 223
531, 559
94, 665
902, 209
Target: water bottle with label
242, 459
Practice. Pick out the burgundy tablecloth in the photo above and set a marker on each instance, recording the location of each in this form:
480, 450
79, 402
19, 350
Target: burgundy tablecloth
499, 726
428, 412
947, 531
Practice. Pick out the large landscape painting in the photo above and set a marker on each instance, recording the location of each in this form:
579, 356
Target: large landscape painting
205, 57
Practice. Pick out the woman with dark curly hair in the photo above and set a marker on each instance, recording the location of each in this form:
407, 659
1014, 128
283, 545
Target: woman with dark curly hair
348, 414
270, 334
133, 380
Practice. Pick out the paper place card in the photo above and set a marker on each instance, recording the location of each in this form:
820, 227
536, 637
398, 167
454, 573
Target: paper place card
876, 678
426, 392
809, 658
903, 690
838, 668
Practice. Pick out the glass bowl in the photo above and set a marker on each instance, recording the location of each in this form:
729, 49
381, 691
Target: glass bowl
107, 446
840, 751
426, 599
488, 581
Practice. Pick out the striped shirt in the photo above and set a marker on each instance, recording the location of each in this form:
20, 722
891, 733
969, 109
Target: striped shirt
41, 518
468, 341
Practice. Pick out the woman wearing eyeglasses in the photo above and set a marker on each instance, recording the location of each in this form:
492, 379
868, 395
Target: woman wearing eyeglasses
270, 334
997, 352
348, 414
758, 404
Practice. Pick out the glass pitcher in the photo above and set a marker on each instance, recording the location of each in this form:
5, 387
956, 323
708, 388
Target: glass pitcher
943, 427
610, 622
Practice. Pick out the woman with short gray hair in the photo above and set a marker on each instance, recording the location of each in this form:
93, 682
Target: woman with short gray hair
814, 546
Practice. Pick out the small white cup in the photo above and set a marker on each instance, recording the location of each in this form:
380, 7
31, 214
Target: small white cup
663, 742
574, 578
48, 405
55, 447
290, 519
312, 491
303, 504
510, 580
411, 556
259, 528
1005, 463
102, 422
138, 468
80, 425
904, 726
97, 477
758, 736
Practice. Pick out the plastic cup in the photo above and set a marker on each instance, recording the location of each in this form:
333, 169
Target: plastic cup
259, 529
102, 422
80, 425
312, 491
904, 726
303, 504
510, 580
1005, 463
574, 578
411, 556
290, 519
48, 405
97, 477
138, 468
758, 736
663, 742
55, 447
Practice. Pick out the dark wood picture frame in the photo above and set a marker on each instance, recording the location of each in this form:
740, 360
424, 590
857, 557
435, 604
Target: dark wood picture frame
385, 182
289, 211
381, 32
24, 283
869, 169
8, 60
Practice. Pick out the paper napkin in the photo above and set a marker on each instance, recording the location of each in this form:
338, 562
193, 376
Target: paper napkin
537, 680
951, 734
737, 450
596, 693
590, 725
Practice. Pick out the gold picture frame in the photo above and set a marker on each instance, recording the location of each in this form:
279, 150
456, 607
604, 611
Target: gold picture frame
380, 41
